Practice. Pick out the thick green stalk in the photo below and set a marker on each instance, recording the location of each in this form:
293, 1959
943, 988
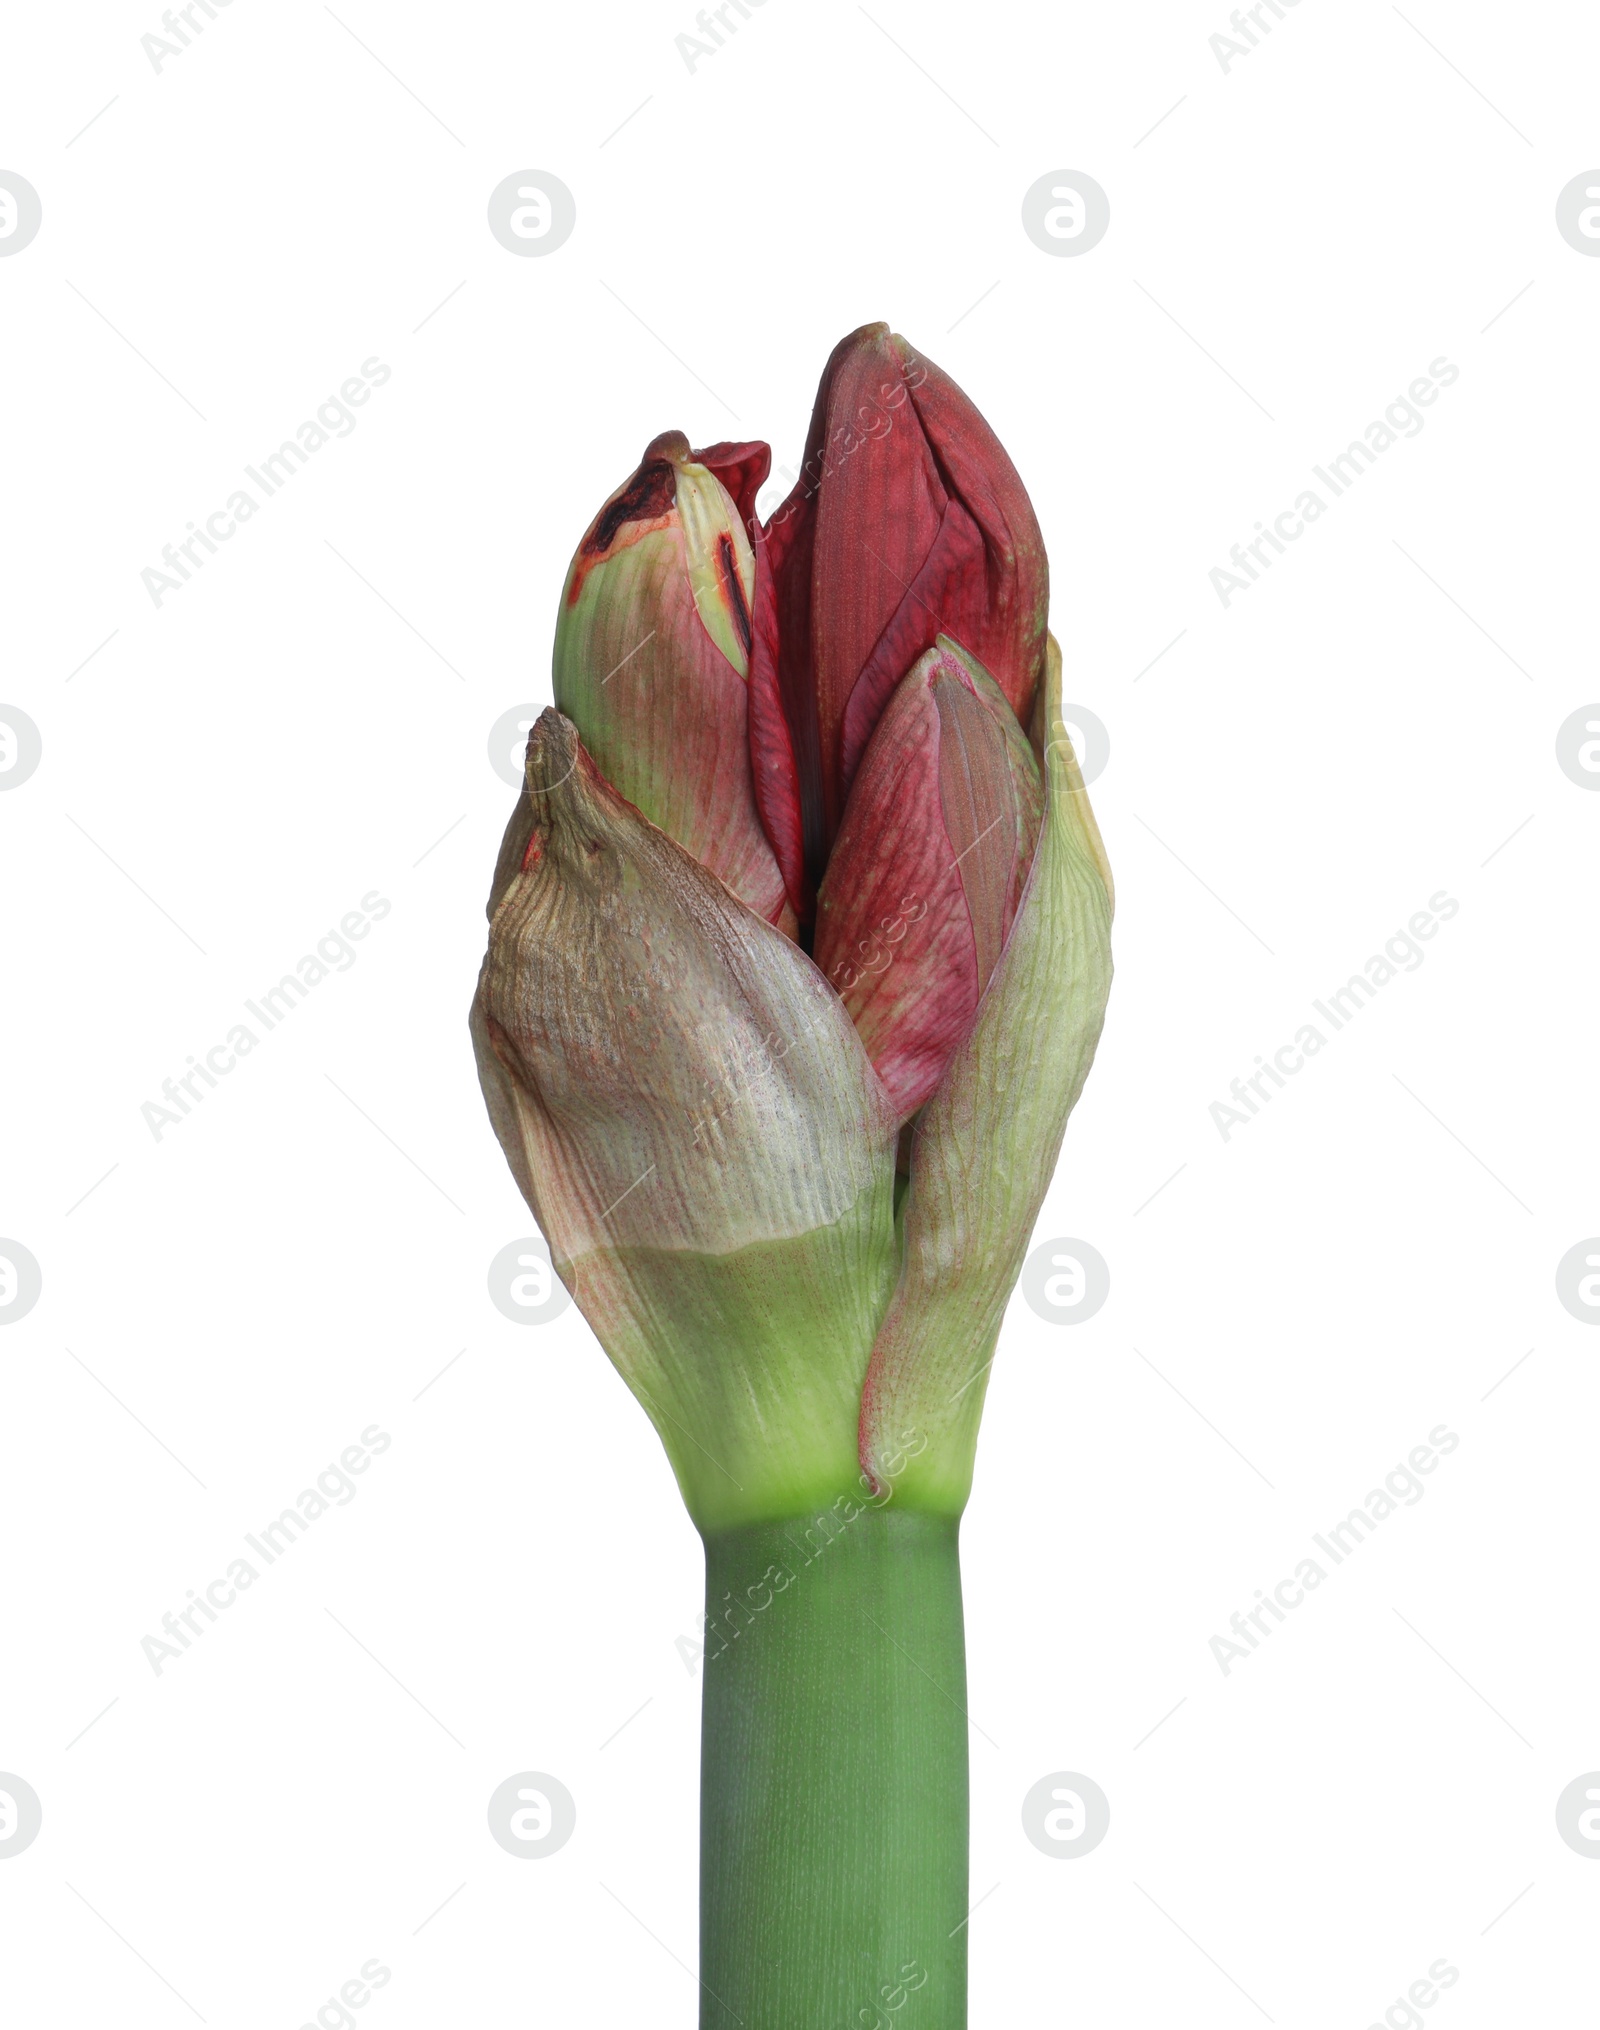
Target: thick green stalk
833, 1780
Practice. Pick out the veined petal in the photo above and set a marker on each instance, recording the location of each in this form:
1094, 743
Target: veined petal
986, 1144
699, 1133
926, 874
956, 554
776, 766
862, 517
742, 469
999, 606
908, 520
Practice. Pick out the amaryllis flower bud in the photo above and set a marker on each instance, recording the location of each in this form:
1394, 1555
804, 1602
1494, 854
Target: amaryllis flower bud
652, 654
908, 520
927, 871
707, 1117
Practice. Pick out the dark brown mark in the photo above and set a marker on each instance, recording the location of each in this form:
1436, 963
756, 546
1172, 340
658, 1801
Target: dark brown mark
651, 491
728, 568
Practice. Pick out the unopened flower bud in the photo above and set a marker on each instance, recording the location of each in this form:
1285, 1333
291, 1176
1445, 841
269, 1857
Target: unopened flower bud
652, 655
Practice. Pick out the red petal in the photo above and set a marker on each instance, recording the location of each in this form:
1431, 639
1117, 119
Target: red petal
1004, 626
892, 932
927, 872
879, 508
743, 470
772, 758
946, 596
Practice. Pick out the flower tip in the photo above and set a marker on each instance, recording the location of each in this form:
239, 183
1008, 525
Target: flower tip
855, 349
671, 445
874, 333
948, 658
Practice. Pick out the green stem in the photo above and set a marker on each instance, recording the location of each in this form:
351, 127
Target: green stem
833, 1779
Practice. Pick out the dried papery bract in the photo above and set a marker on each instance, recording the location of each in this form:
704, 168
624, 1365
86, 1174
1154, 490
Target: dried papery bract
695, 1124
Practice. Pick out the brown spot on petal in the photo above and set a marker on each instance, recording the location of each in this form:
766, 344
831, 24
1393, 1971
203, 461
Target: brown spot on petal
645, 502
651, 492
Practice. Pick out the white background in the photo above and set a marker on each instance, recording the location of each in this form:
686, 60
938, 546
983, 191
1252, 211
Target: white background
1295, 776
